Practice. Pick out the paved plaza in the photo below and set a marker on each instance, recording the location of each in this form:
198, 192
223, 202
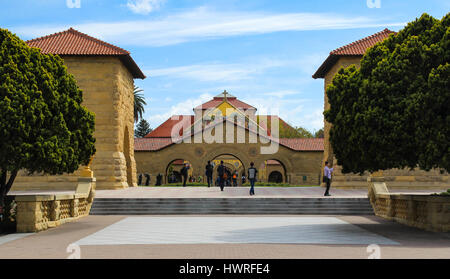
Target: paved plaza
241, 192
211, 230
262, 237
225, 236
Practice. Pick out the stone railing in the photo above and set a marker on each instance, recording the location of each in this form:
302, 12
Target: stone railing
40, 211
426, 212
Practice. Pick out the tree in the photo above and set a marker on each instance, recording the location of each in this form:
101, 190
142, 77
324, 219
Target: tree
303, 133
139, 103
142, 129
319, 134
43, 126
393, 112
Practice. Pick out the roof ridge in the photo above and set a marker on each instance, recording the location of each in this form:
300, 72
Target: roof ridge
386, 30
86, 36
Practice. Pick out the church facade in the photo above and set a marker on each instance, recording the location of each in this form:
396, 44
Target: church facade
229, 130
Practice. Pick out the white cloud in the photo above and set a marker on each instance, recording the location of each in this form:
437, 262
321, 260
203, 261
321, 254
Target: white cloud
202, 23
181, 108
218, 71
281, 93
144, 7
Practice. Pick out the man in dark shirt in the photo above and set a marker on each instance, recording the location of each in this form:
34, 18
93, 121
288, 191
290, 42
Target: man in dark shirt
184, 173
209, 173
221, 174
252, 171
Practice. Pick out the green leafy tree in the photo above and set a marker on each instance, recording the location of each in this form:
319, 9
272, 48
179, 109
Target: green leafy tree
142, 129
319, 134
139, 104
303, 133
43, 126
285, 130
393, 112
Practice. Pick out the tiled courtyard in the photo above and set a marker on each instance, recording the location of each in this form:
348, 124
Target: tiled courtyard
214, 230
228, 237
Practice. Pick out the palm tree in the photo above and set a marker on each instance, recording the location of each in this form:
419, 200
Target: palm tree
139, 103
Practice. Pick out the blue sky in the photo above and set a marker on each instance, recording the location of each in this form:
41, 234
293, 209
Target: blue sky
264, 52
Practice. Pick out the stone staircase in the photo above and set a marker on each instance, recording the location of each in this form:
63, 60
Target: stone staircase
185, 206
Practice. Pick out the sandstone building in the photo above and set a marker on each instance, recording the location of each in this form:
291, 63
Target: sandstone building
106, 75
296, 161
395, 178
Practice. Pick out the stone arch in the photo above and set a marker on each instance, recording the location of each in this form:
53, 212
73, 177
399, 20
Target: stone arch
127, 155
226, 151
232, 168
177, 173
285, 170
275, 177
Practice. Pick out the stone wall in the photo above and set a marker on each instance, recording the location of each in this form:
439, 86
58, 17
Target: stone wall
108, 92
42, 211
426, 212
395, 178
297, 163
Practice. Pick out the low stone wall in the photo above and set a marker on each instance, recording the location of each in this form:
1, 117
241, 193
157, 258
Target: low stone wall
426, 212
42, 211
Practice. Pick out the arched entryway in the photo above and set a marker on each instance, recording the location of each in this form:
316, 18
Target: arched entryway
173, 171
233, 166
272, 171
275, 177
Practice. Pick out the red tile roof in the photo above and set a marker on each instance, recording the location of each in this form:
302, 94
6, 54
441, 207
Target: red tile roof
296, 144
218, 100
151, 144
357, 48
314, 144
165, 130
73, 42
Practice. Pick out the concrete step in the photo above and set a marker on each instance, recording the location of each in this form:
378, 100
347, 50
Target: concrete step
174, 206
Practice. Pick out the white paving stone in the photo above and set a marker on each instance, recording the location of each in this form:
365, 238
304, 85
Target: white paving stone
14, 236
216, 230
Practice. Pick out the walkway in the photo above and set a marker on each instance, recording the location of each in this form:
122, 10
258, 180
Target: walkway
237, 237
235, 192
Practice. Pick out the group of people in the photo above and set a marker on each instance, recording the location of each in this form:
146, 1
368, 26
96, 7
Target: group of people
222, 176
148, 179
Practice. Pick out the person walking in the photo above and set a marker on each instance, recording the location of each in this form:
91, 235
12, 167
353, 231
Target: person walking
209, 173
221, 174
252, 171
327, 171
235, 177
184, 173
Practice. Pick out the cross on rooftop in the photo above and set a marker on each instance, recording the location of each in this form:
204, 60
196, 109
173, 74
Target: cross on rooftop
225, 93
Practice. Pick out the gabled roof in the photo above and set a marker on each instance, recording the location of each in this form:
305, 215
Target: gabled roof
357, 48
165, 130
149, 143
219, 99
74, 43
